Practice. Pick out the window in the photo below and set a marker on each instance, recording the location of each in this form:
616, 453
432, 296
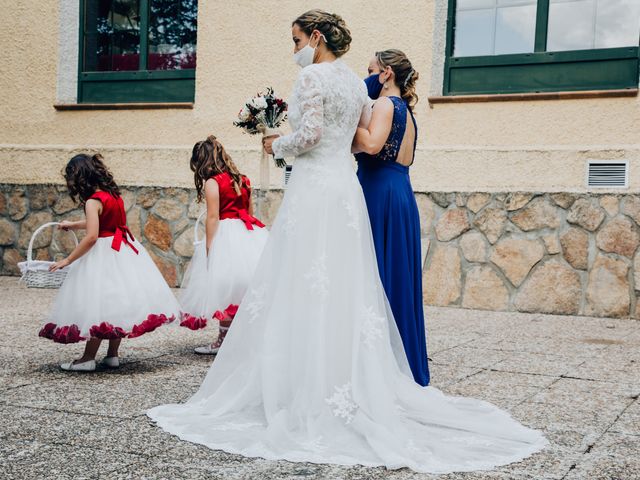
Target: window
511, 46
484, 27
137, 51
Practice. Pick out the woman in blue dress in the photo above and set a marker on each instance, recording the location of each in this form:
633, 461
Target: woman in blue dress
387, 149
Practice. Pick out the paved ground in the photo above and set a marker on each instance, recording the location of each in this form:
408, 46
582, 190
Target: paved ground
575, 378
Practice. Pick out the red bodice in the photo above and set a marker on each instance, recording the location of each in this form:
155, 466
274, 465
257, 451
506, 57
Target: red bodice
113, 220
233, 205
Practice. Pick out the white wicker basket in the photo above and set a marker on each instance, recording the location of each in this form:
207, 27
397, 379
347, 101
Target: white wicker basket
35, 273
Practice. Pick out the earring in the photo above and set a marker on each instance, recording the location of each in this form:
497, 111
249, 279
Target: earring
386, 85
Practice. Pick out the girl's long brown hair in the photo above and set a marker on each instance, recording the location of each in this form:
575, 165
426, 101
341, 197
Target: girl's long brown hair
209, 158
85, 174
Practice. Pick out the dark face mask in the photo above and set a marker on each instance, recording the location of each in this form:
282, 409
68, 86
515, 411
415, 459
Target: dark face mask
374, 87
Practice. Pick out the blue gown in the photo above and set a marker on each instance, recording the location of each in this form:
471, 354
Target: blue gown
395, 223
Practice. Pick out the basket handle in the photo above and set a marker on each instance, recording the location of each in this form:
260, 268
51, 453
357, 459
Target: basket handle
195, 228
37, 231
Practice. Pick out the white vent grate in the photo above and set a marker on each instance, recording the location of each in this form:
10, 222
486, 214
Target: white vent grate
603, 174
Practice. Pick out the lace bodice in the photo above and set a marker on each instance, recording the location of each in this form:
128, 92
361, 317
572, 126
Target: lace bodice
325, 107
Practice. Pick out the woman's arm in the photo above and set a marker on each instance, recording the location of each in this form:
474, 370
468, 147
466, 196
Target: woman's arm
212, 198
92, 211
75, 225
371, 140
309, 90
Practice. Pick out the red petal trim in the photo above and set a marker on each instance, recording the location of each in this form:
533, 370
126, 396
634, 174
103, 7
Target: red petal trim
66, 334
228, 314
193, 322
232, 310
150, 324
104, 331
47, 330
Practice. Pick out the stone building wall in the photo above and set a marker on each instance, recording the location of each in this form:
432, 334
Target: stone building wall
161, 218
560, 253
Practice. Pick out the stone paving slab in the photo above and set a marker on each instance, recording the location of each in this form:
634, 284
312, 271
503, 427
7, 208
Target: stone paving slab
575, 378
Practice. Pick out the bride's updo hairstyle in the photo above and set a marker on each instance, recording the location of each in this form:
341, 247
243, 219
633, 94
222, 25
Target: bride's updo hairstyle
406, 75
332, 26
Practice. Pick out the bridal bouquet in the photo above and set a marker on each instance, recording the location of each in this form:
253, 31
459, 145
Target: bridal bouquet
263, 114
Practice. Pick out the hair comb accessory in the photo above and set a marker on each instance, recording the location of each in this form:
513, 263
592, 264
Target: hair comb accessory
409, 77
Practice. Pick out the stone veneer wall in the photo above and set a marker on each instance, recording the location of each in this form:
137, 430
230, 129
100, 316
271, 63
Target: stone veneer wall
161, 218
560, 253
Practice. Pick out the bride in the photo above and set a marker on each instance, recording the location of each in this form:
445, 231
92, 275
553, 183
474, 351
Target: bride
313, 369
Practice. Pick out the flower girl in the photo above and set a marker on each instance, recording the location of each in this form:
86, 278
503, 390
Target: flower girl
113, 289
223, 264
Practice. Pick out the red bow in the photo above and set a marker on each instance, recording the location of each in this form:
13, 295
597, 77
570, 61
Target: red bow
123, 234
249, 220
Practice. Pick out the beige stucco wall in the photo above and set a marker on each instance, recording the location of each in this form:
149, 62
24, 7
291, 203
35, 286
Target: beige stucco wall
245, 46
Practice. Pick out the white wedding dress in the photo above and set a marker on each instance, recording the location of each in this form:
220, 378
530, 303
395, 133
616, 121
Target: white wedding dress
313, 368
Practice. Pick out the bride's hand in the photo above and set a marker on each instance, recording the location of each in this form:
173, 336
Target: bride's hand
267, 143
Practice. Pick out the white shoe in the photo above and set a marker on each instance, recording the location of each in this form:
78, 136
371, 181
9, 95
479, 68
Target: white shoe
88, 366
110, 362
206, 350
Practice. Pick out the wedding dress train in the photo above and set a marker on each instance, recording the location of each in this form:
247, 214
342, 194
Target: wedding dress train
313, 369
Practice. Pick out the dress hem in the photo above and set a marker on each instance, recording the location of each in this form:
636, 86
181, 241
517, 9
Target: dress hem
105, 331
196, 322
507, 460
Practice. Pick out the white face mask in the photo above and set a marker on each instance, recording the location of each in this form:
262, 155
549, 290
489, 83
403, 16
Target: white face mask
304, 56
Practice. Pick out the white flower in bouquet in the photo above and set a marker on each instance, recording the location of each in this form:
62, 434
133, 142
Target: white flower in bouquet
259, 103
244, 114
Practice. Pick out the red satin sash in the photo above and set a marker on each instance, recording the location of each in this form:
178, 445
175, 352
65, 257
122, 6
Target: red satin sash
121, 235
242, 214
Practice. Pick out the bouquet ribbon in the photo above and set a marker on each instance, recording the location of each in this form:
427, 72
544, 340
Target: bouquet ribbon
264, 161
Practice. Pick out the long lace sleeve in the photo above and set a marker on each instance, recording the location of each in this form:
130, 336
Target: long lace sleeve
308, 93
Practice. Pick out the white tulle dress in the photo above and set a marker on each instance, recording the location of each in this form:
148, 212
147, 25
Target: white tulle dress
214, 285
114, 290
313, 369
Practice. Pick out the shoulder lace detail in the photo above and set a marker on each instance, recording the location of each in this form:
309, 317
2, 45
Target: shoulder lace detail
342, 404
325, 107
308, 95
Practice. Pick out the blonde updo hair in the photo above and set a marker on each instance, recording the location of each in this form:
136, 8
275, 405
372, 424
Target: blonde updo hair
406, 75
332, 26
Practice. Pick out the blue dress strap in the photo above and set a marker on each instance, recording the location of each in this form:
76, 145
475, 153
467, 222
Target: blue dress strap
415, 133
